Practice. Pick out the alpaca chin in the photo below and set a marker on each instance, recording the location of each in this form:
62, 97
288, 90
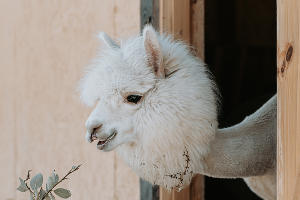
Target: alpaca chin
160, 169
165, 162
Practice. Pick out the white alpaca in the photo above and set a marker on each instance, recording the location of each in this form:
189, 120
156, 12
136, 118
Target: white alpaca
156, 105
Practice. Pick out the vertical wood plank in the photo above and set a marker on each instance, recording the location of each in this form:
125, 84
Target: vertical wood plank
197, 27
165, 195
288, 83
175, 21
175, 18
197, 188
184, 19
182, 195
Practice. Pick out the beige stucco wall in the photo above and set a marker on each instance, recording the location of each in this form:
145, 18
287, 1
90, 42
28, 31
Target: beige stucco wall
44, 47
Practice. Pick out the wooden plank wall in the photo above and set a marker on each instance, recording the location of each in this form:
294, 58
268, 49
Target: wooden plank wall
288, 83
185, 20
45, 46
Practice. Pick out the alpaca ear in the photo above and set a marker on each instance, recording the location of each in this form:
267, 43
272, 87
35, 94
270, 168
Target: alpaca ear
107, 40
153, 52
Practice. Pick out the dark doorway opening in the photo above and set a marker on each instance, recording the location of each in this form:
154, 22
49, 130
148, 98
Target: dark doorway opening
240, 48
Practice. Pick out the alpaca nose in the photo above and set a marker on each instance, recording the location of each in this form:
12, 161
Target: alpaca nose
96, 129
92, 128
91, 125
93, 135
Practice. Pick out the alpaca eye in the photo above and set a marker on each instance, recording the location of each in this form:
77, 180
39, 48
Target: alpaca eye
133, 98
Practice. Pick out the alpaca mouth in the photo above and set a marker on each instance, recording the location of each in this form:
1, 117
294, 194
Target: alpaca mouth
103, 142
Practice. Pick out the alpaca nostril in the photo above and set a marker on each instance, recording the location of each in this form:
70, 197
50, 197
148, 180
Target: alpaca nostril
94, 131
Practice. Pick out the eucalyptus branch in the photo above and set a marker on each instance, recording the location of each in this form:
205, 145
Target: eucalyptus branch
36, 191
73, 169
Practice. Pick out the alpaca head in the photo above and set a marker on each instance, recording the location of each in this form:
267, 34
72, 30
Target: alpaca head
154, 103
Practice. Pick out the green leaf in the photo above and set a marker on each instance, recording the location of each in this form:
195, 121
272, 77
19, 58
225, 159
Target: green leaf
36, 182
63, 193
22, 187
52, 180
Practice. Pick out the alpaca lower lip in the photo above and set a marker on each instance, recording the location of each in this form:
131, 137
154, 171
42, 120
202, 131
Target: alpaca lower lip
102, 143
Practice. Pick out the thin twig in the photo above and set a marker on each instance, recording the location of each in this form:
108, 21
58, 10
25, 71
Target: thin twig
29, 189
27, 178
28, 175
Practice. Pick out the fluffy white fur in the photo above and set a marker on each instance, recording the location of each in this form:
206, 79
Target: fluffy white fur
172, 133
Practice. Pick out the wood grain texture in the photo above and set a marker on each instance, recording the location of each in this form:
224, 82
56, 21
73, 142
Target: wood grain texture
175, 18
197, 27
165, 195
197, 188
184, 19
288, 83
45, 46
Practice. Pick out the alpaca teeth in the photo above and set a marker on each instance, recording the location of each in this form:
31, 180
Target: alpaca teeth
93, 137
104, 142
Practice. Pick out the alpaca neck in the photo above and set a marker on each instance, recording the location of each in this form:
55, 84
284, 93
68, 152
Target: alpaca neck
245, 149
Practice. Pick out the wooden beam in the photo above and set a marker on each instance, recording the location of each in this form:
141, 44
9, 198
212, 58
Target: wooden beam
197, 27
288, 85
175, 18
184, 19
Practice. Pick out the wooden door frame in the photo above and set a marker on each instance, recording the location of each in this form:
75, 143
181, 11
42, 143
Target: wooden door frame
288, 111
184, 19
